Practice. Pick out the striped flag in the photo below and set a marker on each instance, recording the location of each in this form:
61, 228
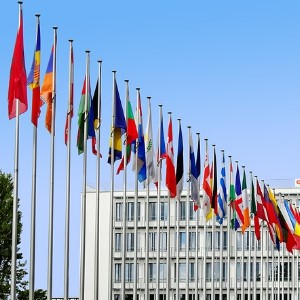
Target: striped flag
246, 211
33, 79
222, 196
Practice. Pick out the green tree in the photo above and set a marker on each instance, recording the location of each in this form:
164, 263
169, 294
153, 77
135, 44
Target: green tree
38, 295
6, 217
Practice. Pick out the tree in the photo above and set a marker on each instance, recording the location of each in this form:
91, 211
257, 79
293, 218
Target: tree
38, 295
6, 218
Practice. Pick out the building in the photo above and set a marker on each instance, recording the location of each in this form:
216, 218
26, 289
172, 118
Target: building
222, 264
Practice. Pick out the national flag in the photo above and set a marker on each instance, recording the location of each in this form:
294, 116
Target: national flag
92, 117
270, 208
179, 166
47, 91
33, 79
198, 159
222, 196
246, 211
131, 134
161, 145
238, 203
170, 167
118, 127
294, 224
17, 90
71, 94
139, 148
207, 192
253, 211
231, 194
149, 147
260, 210
195, 193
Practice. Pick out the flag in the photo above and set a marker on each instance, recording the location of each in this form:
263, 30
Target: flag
33, 79
139, 149
222, 196
270, 208
198, 159
238, 203
207, 192
231, 194
246, 211
92, 117
47, 91
195, 194
214, 184
253, 211
71, 94
131, 134
179, 165
162, 146
81, 119
149, 147
17, 90
118, 127
294, 223
170, 167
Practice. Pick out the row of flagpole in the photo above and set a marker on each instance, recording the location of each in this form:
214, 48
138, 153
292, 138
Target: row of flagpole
51, 101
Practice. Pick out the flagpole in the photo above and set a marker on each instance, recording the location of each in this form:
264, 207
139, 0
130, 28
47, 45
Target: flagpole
110, 279
168, 237
229, 236
243, 257
136, 198
97, 210
187, 203
33, 201
147, 204
205, 236
15, 195
177, 235
213, 238
51, 196
158, 206
68, 175
124, 196
252, 241
83, 201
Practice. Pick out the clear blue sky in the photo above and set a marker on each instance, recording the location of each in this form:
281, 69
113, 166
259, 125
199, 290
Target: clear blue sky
230, 69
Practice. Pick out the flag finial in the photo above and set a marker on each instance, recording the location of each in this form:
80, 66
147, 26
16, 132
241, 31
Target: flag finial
37, 15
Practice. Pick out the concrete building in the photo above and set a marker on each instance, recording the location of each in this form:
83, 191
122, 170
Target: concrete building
147, 232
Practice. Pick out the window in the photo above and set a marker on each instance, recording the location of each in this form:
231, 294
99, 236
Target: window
257, 271
225, 240
119, 211
192, 271
162, 271
224, 272
117, 297
208, 239
246, 236
192, 213
129, 272
182, 240
239, 240
118, 242
130, 211
164, 211
163, 241
238, 271
208, 271
217, 271
217, 240
192, 241
139, 211
152, 211
130, 241
182, 272
117, 272
152, 271
182, 213
152, 241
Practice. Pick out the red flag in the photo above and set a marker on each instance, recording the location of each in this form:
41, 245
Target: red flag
170, 168
257, 227
17, 89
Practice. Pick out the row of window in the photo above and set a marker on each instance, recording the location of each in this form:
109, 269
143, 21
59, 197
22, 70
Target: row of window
153, 211
216, 274
153, 241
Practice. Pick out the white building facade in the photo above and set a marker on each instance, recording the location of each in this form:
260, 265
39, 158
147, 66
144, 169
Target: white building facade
154, 248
